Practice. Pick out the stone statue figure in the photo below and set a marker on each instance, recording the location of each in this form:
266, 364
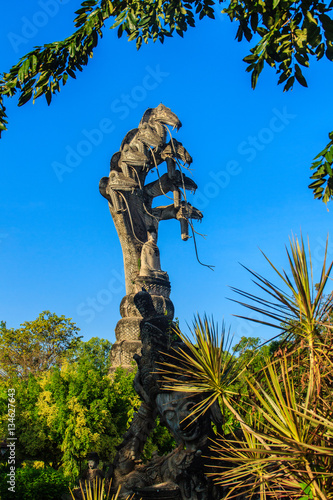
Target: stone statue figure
150, 257
89, 475
92, 470
131, 202
181, 473
144, 331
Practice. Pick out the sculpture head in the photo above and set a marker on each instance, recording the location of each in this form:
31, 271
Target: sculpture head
181, 153
175, 409
163, 115
134, 157
93, 460
148, 136
114, 162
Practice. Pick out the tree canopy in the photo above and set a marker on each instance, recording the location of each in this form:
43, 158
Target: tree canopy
287, 35
37, 345
68, 410
64, 412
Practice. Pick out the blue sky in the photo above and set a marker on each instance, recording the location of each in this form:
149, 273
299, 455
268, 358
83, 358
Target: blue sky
251, 149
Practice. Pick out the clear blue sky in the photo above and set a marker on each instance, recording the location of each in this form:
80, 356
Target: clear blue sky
252, 151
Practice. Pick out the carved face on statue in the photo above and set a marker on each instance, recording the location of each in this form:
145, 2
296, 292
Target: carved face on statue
175, 408
93, 460
92, 464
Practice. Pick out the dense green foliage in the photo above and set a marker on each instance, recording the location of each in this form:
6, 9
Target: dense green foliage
322, 184
69, 410
34, 484
66, 411
287, 35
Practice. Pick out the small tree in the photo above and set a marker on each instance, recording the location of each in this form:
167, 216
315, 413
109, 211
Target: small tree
37, 345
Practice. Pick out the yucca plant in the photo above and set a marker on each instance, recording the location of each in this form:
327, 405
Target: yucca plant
285, 450
302, 308
294, 453
204, 366
241, 463
96, 490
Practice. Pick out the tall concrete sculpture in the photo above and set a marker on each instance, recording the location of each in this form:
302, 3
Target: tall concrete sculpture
145, 331
182, 473
131, 205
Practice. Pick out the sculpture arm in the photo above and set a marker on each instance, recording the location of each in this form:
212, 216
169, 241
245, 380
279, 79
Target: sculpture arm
168, 183
157, 188
184, 211
165, 213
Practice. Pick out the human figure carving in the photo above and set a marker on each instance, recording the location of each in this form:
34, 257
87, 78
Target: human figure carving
150, 257
92, 471
182, 470
91, 475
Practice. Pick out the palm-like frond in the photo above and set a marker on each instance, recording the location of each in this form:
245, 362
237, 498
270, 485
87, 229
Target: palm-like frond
204, 366
286, 448
301, 305
244, 465
97, 490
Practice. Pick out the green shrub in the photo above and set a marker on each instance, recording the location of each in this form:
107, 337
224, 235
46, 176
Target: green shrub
34, 484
